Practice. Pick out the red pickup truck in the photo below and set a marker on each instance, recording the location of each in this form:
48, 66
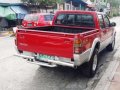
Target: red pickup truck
74, 39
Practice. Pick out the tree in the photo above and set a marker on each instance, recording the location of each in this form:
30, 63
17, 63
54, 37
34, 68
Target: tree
114, 3
114, 7
29, 1
42, 2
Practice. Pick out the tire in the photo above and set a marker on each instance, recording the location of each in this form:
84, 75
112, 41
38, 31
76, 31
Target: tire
111, 46
89, 68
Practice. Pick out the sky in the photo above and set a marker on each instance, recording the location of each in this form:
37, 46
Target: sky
10, 1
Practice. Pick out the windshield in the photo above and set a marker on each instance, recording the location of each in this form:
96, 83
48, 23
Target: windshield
31, 18
82, 20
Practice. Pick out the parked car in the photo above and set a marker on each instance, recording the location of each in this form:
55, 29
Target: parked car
74, 39
37, 19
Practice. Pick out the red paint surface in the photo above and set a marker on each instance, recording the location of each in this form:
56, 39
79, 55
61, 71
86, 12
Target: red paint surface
60, 44
40, 22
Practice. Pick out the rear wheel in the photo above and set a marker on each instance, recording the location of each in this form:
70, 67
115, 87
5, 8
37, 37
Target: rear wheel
89, 69
111, 46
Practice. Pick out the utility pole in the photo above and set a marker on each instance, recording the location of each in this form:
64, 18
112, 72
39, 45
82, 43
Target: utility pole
71, 5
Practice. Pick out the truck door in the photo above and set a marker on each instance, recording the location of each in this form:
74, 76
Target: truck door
104, 31
108, 28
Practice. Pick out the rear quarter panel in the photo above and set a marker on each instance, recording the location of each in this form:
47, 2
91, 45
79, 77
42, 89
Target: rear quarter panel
88, 39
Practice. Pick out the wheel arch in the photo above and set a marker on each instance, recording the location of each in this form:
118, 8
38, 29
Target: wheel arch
96, 44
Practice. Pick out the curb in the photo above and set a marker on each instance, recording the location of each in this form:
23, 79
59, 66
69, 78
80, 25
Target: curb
6, 33
106, 79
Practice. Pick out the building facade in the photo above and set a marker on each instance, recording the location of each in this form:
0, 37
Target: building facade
72, 5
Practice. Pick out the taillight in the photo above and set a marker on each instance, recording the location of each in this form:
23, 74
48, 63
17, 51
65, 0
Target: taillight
24, 24
77, 45
35, 24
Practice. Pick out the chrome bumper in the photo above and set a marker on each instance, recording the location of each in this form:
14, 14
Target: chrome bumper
48, 63
24, 56
79, 59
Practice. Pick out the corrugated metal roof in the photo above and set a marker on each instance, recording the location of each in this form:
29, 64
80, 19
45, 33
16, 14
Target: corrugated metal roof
10, 4
20, 11
10, 1
7, 13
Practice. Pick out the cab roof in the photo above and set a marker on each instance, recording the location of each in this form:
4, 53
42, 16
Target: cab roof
76, 11
80, 11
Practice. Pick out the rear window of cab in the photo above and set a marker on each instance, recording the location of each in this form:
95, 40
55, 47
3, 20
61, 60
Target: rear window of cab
36, 17
31, 18
82, 20
48, 17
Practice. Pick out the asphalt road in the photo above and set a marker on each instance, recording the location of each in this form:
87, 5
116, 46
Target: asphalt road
16, 74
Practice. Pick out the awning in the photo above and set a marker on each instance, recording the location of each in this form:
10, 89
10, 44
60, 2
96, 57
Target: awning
7, 13
20, 11
2, 11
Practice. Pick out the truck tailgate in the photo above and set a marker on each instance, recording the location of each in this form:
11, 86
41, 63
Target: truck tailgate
48, 43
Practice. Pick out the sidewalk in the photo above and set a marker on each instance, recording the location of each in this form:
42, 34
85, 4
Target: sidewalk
115, 83
6, 33
111, 78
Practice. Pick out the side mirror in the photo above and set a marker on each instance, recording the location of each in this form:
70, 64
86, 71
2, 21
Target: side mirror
113, 24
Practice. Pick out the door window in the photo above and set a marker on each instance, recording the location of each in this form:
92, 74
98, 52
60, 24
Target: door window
101, 21
107, 22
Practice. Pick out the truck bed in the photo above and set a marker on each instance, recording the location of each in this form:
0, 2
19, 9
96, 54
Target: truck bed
54, 41
62, 29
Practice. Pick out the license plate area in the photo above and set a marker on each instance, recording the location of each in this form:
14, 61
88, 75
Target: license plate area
42, 57
29, 24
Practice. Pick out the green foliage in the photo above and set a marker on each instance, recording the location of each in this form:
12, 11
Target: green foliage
92, 0
114, 7
47, 2
42, 3
29, 1
114, 3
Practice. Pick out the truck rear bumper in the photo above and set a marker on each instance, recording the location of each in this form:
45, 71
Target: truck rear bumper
81, 58
48, 63
78, 60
